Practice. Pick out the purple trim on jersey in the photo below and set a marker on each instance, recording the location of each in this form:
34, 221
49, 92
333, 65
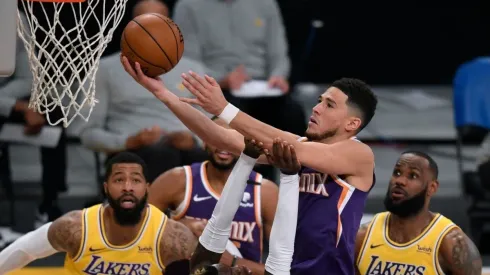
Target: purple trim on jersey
329, 215
246, 226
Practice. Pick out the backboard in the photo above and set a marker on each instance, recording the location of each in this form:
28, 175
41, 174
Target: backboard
8, 36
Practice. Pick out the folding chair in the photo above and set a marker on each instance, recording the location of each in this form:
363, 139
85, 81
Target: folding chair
471, 92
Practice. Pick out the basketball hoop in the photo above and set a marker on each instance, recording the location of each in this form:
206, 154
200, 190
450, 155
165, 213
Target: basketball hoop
64, 59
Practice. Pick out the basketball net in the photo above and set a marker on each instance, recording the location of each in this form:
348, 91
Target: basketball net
64, 60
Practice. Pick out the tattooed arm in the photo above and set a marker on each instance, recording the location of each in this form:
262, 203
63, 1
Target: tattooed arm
63, 235
458, 255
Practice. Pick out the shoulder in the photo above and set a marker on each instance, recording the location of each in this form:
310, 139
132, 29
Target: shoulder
170, 183
269, 189
459, 254
174, 176
177, 243
65, 233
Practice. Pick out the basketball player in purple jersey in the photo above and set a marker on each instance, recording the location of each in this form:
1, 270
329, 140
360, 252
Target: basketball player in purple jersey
191, 193
338, 173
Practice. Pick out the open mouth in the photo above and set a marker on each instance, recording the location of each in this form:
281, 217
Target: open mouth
128, 202
312, 121
223, 154
397, 193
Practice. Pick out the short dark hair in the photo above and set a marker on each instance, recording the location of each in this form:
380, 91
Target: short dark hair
125, 157
432, 163
360, 96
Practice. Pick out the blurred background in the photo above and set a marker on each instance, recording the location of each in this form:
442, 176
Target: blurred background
427, 65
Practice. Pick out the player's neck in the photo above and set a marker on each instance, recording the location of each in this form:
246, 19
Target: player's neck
216, 177
335, 138
118, 234
403, 230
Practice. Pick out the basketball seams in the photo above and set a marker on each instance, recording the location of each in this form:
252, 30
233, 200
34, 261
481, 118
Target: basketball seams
172, 29
140, 57
156, 42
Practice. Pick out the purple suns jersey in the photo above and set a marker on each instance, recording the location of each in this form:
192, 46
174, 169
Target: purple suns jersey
200, 200
329, 215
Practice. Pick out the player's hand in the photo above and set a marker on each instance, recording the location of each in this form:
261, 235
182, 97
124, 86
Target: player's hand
253, 149
154, 85
222, 269
279, 82
284, 157
207, 92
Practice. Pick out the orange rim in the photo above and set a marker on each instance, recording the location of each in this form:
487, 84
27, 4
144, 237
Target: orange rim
58, 1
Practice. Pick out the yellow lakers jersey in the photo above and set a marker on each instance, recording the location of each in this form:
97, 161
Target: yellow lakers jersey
380, 255
98, 256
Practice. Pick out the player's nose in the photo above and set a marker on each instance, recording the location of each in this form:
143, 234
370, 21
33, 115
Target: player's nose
128, 186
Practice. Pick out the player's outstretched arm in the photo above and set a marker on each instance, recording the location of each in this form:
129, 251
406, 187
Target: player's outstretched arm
458, 255
342, 158
62, 235
283, 233
196, 121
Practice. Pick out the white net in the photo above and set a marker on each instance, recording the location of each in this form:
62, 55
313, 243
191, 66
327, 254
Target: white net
64, 57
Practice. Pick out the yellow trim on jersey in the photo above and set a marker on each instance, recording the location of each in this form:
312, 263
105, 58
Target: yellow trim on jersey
366, 239
83, 241
438, 245
105, 240
158, 241
409, 243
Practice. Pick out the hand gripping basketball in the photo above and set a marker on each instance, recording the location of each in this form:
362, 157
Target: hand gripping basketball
207, 92
153, 84
284, 157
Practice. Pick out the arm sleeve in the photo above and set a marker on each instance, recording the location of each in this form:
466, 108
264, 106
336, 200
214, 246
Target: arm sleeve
34, 245
217, 231
283, 232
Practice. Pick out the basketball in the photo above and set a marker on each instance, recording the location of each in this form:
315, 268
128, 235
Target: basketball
154, 41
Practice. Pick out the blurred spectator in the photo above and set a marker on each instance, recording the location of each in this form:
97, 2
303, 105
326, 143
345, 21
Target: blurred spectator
127, 117
14, 100
483, 162
241, 40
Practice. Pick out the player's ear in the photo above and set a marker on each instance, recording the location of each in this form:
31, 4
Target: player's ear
354, 124
105, 187
432, 188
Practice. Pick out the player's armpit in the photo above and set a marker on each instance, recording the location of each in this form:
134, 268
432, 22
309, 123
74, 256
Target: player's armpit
168, 190
459, 255
177, 243
66, 233
347, 157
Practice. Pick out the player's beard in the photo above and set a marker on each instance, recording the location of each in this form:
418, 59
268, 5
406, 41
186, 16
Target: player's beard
408, 207
322, 136
222, 166
127, 216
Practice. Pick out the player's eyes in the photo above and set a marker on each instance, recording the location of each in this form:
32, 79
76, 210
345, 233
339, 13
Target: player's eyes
414, 176
397, 173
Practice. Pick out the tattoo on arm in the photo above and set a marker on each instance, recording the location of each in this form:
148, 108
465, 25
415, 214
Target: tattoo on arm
65, 234
177, 242
465, 258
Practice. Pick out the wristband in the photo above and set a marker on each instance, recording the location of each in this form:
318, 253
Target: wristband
233, 262
229, 113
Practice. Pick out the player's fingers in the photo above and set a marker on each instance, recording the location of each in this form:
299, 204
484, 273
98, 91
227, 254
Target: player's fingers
200, 79
211, 80
294, 159
127, 67
287, 154
194, 101
196, 81
193, 83
139, 72
192, 89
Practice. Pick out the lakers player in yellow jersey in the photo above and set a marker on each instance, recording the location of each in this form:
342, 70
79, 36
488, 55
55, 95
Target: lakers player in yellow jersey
128, 236
409, 238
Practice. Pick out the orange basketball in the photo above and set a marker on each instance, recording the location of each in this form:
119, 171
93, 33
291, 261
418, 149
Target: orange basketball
154, 41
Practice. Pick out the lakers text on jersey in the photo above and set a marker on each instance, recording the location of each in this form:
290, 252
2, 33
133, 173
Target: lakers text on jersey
382, 256
97, 256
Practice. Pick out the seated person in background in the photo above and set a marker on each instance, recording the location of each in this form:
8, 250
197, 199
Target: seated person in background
191, 193
14, 100
128, 118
